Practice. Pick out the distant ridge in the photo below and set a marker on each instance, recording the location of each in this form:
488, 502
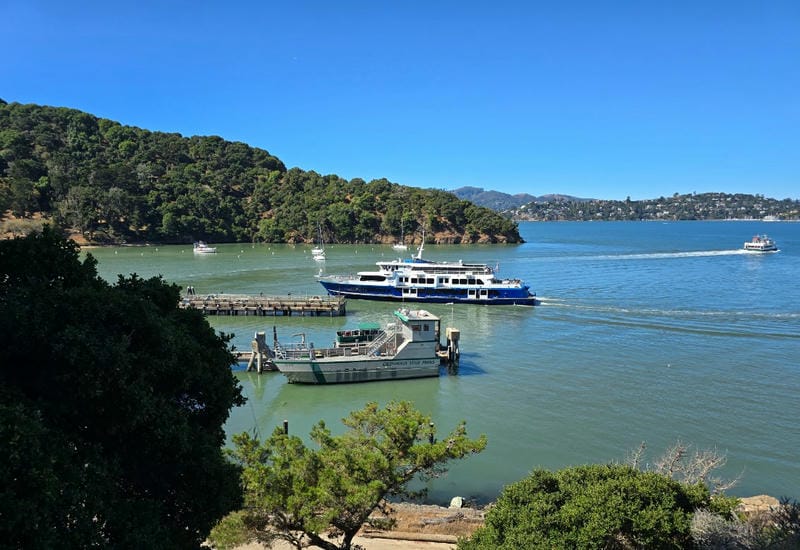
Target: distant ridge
694, 206
501, 202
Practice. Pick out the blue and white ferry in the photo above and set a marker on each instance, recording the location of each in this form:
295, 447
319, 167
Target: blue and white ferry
418, 280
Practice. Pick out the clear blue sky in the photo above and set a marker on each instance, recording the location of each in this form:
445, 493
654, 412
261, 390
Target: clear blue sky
592, 99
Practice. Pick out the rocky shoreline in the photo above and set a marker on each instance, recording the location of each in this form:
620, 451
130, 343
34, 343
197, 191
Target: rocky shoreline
420, 526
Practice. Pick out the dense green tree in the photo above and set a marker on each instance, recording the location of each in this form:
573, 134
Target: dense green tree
595, 506
297, 493
112, 405
180, 189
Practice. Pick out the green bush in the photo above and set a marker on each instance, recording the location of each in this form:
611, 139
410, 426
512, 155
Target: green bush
595, 506
230, 532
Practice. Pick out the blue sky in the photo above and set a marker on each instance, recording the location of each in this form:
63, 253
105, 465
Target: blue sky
592, 99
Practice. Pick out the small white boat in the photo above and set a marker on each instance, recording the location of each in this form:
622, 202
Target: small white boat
407, 348
318, 252
202, 248
761, 243
401, 246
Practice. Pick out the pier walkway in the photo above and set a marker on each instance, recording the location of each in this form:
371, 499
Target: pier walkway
245, 304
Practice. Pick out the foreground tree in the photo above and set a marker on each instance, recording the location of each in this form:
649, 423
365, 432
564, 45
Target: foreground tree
299, 494
597, 506
112, 403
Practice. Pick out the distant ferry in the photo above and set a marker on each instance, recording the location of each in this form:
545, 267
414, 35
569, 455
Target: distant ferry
418, 280
761, 243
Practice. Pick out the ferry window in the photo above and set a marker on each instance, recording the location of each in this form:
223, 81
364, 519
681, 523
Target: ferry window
480, 281
471, 282
414, 281
430, 281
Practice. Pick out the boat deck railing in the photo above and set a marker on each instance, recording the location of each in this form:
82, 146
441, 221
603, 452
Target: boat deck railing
385, 344
389, 339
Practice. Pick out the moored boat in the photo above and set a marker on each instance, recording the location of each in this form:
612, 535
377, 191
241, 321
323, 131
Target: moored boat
418, 280
401, 246
202, 248
761, 243
408, 348
318, 252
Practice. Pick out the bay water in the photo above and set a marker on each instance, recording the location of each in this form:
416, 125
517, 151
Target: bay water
645, 332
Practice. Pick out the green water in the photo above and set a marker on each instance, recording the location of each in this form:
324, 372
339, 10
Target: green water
646, 332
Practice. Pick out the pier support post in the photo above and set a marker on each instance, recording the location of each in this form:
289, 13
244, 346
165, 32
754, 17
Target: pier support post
260, 352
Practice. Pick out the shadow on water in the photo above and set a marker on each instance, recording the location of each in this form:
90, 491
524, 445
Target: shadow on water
467, 366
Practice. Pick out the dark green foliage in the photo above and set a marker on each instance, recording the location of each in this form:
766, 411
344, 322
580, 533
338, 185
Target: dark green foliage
112, 407
597, 506
114, 183
297, 493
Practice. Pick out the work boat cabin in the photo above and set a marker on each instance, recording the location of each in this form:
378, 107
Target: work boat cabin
418, 326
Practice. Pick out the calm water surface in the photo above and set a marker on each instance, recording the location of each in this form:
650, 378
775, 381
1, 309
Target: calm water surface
646, 332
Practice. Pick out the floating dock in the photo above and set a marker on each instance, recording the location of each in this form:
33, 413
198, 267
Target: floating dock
244, 304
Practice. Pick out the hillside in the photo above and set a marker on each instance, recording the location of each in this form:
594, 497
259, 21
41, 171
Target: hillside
116, 183
496, 200
703, 206
504, 202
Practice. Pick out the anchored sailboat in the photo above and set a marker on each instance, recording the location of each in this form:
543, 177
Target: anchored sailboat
318, 252
401, 246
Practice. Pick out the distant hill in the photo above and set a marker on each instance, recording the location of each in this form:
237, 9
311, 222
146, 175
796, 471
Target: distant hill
503, 202
704, 206
112, 183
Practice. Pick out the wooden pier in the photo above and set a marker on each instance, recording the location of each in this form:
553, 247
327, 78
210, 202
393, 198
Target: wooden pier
244, 304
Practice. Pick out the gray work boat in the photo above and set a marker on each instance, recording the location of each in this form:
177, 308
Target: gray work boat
407, 348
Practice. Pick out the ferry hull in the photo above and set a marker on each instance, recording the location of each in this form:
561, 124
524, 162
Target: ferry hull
424, 295
339, 372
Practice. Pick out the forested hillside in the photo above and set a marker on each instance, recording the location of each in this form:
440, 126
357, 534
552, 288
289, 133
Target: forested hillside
116, 183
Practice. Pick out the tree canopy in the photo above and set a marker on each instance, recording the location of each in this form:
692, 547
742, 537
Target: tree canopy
113, 182
595, 506
297, 493
112, 405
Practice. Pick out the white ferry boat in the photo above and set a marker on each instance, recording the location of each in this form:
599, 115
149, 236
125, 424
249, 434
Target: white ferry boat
418, 280
409, 348
202, 248
761, 243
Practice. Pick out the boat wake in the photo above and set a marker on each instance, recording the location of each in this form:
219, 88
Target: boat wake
668, 255
711, 323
